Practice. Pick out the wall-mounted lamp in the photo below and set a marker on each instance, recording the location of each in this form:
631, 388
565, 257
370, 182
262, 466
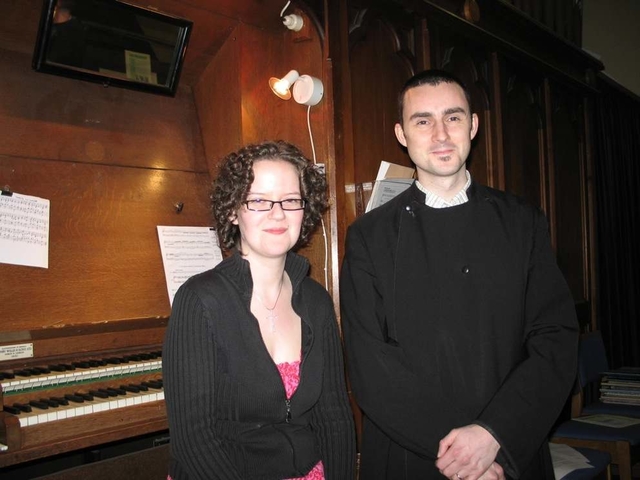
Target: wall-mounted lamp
307, 90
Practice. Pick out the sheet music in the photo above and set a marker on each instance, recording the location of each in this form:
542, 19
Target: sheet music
187, 251
24, 230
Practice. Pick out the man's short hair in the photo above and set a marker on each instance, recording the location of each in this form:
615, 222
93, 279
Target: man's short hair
433, 78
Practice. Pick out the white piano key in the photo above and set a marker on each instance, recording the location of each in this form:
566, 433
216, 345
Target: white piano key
97, 405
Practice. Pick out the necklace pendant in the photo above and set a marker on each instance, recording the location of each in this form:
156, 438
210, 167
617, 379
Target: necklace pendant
272, 317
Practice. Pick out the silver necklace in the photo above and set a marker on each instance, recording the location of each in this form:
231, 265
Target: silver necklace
271, 316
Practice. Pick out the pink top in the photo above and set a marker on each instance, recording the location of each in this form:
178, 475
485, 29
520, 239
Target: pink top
290, 373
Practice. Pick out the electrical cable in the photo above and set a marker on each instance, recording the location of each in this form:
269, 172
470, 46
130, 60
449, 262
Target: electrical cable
285, 7
324, 230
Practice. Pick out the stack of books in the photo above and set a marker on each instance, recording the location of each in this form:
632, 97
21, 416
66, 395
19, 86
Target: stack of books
621, 386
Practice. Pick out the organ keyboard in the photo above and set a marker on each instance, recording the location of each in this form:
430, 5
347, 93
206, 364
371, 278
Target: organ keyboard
83, 386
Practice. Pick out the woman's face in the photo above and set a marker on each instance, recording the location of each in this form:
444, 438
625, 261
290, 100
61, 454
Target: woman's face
274, 232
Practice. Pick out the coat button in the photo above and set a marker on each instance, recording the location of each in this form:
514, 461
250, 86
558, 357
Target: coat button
465, 269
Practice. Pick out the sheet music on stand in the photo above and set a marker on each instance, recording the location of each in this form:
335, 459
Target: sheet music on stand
187, 251
24, 229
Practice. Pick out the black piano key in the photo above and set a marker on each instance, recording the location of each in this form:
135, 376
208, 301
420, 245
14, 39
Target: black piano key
145, 356
74, 398
130, 388
60, 400
93, 363
153, 384
109, 393
57, 368
99, 394
142, 388
40, 405
22, 407
68, 366
11, 410
82, 364
115, 391
22, 373
41, 370
113, 360
52, 403
88, 397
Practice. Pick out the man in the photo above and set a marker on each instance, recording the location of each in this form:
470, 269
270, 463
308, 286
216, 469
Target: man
459, 328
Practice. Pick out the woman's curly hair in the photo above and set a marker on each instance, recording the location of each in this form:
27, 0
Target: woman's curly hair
235, 177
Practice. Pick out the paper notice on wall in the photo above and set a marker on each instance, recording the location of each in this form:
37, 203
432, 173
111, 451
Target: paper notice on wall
187, 251
24, 230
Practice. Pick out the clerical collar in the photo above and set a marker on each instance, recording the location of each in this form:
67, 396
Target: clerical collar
435, 201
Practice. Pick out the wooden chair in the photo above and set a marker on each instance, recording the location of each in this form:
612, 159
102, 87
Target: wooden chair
623, 444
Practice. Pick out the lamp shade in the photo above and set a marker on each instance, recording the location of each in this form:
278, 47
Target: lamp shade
281, 86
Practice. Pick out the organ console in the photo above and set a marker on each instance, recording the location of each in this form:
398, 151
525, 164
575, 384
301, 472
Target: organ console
78, 386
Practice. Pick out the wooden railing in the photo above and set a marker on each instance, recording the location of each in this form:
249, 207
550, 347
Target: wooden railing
564, 17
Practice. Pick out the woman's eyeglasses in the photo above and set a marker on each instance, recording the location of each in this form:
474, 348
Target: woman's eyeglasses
290, 204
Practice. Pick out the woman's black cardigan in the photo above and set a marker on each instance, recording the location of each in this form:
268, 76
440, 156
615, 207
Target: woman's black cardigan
226, 403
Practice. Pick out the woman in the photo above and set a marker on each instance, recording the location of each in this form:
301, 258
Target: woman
252, 360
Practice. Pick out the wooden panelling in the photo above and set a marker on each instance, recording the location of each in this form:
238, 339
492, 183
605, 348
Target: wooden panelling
564, 17
380, 65
235, 104
568, 163
104, 255
19, 25
523, 131
51, 117
218, 97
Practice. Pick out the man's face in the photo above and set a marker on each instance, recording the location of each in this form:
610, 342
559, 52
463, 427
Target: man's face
437, 130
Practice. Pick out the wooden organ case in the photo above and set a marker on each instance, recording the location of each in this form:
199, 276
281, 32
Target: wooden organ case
75, 392
115, 164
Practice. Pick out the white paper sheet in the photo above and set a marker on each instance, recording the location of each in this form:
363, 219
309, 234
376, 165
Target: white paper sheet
24, 230
187, 251
566, 460
613, 421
